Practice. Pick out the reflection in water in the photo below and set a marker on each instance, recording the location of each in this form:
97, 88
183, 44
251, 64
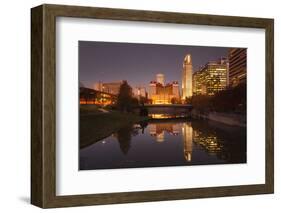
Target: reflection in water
169, 142
187, 132
124, 138
143, 125
208, 141
165, 116
157, 130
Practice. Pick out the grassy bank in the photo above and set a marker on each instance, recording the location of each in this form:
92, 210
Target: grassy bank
96, 125
89, 109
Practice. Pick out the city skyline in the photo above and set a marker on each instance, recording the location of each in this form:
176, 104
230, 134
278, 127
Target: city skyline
181, 105
139, 63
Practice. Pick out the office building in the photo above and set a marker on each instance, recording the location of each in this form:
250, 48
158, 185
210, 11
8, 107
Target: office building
237, 66
211, 78
187, 77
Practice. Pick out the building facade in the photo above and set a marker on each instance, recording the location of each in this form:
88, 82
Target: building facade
211, 78
237, 66
160, 78
109, 87
187, 77
140, 92
163, 94
90, 96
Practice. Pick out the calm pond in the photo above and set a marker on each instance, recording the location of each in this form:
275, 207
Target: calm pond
167, 142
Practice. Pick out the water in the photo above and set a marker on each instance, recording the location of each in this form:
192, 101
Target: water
167, 142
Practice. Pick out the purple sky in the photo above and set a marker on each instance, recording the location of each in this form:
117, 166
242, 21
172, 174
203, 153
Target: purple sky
138, 63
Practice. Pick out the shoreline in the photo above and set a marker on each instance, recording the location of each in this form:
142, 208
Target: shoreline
97, 126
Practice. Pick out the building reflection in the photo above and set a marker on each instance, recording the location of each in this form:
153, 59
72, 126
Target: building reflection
209, 142
190, 135
187, 136
157, 130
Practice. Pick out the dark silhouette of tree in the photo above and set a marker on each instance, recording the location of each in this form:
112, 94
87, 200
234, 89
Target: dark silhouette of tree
232, 99
143, 125
229, 100
143, 100
187, 100
143, 110
125, 100
201, 102
175, 101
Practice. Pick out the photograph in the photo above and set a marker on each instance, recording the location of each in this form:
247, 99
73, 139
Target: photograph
170, 105
155, 105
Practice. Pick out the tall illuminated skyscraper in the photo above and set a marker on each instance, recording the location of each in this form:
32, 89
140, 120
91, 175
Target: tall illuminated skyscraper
187, 77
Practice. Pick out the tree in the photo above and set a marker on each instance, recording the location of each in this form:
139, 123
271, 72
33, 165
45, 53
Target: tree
229, 100
175, 100
201, 102
125, 100
187, 100
143, 110
143, 100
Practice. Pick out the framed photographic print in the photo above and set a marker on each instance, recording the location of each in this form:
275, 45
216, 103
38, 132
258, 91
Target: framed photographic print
137, 106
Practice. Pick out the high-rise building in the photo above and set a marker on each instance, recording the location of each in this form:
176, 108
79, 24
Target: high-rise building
211, 78
187, 77
160, 78
198, 86
237, 66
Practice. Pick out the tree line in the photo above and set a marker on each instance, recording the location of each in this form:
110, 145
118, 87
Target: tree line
229, 100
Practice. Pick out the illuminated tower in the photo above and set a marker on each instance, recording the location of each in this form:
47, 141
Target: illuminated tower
187, 77
160, 78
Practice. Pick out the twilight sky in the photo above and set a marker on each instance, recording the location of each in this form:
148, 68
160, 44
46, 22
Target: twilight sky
138, 63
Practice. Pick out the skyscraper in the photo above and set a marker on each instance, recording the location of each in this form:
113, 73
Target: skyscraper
187, 77
211, 78
237, 66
